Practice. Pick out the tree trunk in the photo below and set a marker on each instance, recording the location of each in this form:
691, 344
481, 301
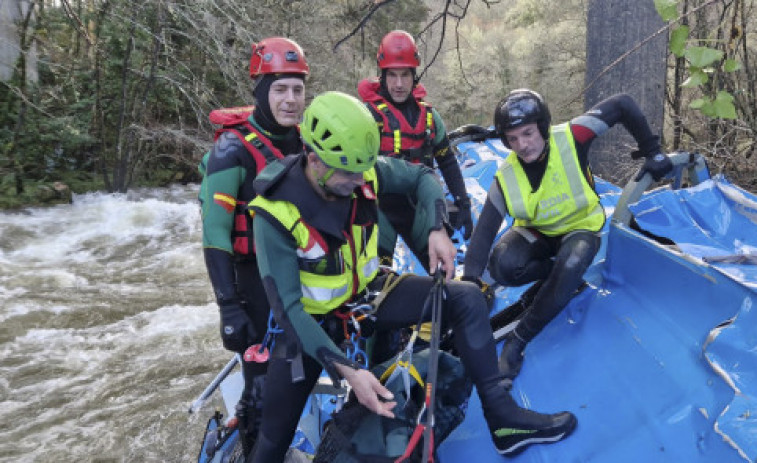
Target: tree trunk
614, 64
26, 31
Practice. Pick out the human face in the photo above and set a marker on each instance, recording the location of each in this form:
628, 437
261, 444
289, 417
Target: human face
340, 184
526, 141
287, 100
399, 83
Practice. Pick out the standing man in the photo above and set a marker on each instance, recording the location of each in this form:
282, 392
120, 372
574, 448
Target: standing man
316, 236
412, 130
243, 147
545, 184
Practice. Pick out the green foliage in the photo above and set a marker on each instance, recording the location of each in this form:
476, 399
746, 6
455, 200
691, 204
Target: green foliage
721, 106
701, 57
667, 9
678, 37
703, 61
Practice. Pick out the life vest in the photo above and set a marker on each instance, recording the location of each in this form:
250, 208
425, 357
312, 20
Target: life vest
323, 292
398, 137
236, 121
564, 201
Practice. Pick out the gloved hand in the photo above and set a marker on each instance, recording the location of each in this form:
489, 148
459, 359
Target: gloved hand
464, 217
486, 290
657, 165
237, 331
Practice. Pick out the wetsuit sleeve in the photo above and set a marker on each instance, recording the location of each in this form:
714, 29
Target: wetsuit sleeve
279, 269
620, 108
447, 163
396, 176
223, 177
489, 223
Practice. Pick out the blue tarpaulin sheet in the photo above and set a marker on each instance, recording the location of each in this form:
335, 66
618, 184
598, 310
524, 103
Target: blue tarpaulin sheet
657, 358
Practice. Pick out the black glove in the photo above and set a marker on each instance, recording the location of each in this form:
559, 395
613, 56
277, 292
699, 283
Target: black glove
237, 331
657, 165
486, 289
464, 217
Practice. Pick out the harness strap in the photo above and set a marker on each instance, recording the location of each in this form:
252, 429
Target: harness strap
391, 281
437, 295
414, 439
270, 153
259, 147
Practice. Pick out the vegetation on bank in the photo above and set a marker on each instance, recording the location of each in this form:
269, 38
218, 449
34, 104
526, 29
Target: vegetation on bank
60, 185
124, 88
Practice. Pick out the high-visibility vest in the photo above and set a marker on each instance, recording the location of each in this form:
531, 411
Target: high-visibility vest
564, 201
322, 293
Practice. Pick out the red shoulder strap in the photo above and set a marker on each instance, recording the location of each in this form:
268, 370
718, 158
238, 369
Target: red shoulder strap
259, 146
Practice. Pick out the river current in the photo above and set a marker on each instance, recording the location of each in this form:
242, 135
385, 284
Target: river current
108, 329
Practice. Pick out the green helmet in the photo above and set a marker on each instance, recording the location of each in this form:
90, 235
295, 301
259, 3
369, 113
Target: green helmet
341, 131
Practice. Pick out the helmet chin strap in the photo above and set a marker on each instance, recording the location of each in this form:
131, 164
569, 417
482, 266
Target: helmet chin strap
322, 183
325, 177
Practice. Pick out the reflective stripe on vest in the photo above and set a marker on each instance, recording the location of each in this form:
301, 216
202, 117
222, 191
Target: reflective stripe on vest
398, 138
322, 293
564, 200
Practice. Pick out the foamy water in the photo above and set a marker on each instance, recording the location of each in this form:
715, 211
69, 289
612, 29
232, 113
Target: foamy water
108, 329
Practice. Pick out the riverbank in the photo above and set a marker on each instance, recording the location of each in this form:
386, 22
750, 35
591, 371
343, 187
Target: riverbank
59, 187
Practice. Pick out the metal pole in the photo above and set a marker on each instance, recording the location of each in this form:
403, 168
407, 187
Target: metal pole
214, 384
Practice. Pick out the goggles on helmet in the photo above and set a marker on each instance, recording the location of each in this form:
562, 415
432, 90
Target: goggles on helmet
520, 111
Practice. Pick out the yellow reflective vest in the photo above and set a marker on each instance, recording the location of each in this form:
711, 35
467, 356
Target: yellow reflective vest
564, 200
358, 256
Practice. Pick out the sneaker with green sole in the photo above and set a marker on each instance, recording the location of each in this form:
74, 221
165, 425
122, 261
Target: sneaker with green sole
511, 440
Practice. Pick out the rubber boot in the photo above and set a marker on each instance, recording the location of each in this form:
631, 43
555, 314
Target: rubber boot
511, 357
514, 428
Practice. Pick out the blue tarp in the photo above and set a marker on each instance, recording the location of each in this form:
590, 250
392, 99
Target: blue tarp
658, 357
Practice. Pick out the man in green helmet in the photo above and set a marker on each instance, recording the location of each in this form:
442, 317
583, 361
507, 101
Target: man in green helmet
316, 239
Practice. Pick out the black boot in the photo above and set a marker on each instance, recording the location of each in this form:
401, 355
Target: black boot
514, 428
511, 438
507, 319
511, 358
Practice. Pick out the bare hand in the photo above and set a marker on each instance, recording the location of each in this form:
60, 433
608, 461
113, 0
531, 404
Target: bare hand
441, 250
367, 389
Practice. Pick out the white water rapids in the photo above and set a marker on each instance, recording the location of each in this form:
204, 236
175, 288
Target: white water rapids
108, 329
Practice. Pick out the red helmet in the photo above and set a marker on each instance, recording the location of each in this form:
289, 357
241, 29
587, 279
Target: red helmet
277, 55
397, 50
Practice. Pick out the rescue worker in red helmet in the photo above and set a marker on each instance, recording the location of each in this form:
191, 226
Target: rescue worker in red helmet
546, 185
413, 130
248, 140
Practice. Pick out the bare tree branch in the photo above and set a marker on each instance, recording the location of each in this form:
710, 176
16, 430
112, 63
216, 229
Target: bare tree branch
376, 6
79, 25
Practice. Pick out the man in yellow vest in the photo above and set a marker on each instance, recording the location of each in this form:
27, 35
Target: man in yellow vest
316, 238
546, 186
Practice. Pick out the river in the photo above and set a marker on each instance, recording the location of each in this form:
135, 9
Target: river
108, 329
